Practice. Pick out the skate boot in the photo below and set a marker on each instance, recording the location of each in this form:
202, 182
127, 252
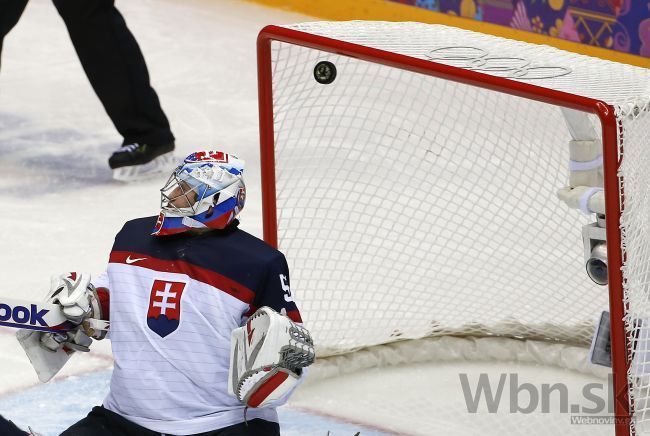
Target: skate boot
138, 161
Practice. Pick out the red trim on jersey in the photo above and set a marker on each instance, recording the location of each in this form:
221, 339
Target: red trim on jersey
251, 311
104, 302
203, 275
294, 316
267, 388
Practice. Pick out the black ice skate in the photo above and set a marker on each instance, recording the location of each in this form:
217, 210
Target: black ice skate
138, 161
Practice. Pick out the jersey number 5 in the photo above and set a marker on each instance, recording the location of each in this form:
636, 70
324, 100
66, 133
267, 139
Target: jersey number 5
285, 287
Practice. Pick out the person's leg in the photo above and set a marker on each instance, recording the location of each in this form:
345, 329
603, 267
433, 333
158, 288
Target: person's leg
8, 428
103, 422
10, 12
116, 69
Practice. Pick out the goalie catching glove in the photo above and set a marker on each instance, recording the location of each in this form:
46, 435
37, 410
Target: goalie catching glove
267, 357
79, 302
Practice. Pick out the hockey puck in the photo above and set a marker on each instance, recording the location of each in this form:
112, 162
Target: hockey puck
325, 72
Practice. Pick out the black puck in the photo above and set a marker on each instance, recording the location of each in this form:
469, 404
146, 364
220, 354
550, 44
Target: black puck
325, 72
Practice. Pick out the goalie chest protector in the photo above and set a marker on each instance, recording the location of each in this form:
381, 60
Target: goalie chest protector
174, 303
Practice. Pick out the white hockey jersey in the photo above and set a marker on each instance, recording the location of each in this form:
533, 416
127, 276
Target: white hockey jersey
174, 301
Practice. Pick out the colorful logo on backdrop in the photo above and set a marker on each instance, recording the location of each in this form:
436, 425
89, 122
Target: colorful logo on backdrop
622, 25
164, 313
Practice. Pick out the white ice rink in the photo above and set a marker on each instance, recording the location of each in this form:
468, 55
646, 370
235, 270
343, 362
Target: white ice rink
61, 211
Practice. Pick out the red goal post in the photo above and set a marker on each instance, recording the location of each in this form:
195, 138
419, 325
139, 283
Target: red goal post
610, 139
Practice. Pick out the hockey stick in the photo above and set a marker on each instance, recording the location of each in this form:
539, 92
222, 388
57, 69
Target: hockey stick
41, 316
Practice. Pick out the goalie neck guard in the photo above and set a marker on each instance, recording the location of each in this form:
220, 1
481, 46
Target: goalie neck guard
206, 191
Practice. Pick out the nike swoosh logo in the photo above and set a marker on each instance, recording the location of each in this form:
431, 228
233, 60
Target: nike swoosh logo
130, 261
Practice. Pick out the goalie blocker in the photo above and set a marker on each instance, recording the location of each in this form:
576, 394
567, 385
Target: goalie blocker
268, 355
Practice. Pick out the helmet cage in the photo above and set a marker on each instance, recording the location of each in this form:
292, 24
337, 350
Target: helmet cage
185, 195
206, 191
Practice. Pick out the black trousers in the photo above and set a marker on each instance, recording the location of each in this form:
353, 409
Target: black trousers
113, 62
103, 422
8, 428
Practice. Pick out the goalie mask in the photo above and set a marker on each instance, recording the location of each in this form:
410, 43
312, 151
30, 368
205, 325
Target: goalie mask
206, 191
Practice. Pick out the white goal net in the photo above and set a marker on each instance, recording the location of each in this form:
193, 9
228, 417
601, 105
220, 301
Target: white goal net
413, 204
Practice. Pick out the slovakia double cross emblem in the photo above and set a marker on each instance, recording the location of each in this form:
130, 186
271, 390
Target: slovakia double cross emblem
164, 313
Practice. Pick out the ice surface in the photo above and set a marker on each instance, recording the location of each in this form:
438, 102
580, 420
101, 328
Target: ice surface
35, 407
61, 208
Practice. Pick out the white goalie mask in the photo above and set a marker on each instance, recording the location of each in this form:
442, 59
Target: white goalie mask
206, 191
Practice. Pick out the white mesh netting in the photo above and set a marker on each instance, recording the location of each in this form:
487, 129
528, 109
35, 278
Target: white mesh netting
411, 206
635, 230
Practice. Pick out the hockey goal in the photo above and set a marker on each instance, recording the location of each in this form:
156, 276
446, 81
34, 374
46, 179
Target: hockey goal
411, 173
